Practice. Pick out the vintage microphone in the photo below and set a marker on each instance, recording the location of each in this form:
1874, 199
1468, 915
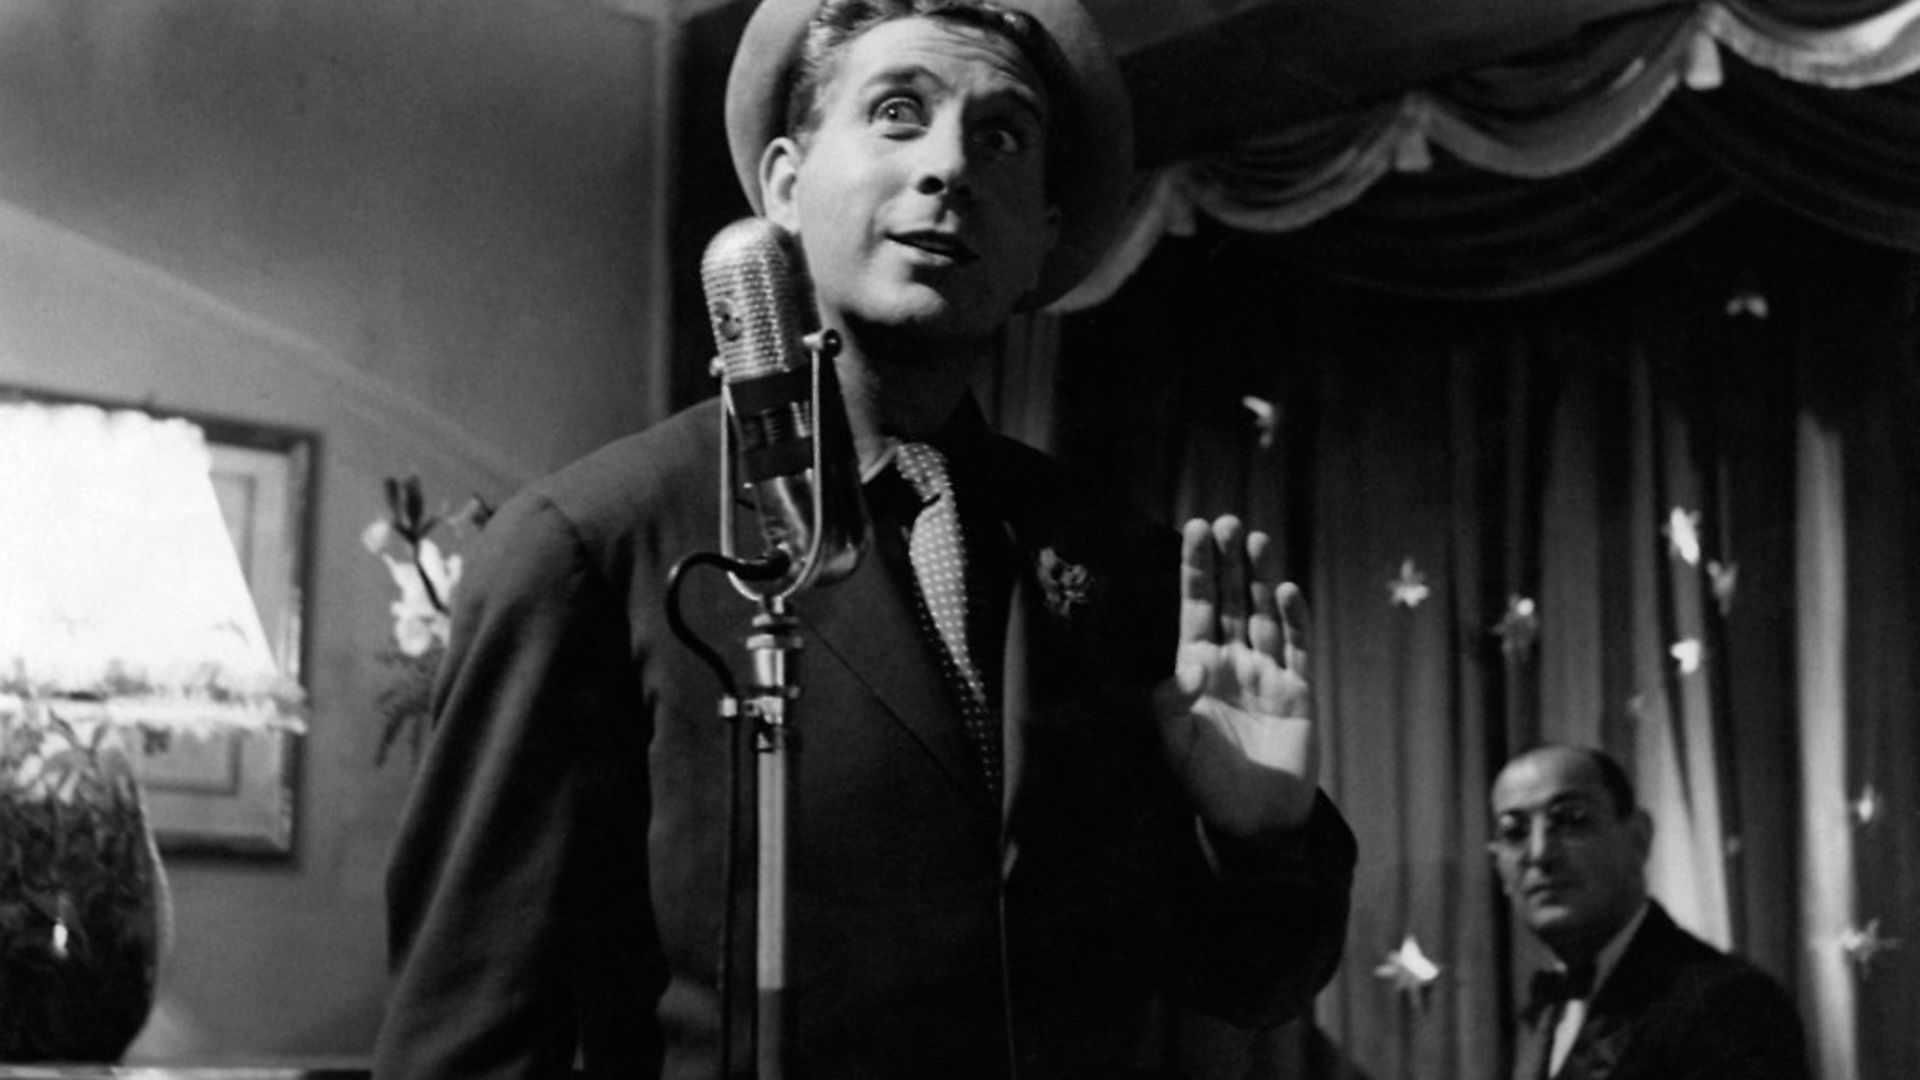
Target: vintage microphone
781, 402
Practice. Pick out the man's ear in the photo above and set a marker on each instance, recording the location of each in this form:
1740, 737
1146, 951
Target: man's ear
779, 173
1493, 863
1640, 827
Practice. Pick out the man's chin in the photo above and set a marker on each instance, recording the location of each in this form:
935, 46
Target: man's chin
930, 319
1548, 915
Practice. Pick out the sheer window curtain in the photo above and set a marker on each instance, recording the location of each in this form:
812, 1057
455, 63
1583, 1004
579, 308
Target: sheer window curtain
1670, 514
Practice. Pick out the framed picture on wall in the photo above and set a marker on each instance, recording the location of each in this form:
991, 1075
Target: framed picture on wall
236, 794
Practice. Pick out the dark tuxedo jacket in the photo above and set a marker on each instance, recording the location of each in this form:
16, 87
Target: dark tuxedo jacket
560, 876
1676, 1008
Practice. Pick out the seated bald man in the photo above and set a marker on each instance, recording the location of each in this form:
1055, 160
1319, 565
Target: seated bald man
1632, 996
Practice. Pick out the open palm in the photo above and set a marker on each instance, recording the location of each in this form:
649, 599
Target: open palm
1236, 717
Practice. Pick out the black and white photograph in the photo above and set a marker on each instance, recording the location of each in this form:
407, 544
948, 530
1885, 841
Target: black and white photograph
959, 539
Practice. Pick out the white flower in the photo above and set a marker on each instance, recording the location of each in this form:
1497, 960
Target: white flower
1408, 968
1689, 654
443, 571
1410, 588
1726, 581
375, 536
419, 616
1266, 418
1683, 535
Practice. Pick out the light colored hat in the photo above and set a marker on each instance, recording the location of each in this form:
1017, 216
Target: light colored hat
1092, 134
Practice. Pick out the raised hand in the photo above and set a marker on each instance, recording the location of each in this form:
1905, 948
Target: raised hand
1236, 718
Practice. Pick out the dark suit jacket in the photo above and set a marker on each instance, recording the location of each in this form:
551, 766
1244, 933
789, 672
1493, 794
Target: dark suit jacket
560, 871
1676, 1008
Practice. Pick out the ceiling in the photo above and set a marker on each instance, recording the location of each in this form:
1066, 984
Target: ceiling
1205, 72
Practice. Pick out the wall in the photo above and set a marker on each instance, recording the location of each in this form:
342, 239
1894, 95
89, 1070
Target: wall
420, 231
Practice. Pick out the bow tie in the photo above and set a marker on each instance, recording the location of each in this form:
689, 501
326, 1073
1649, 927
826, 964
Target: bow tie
1551, 988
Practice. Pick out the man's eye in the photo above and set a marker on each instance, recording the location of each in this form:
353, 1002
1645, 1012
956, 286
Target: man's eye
1002, 140
901, 112
1573, 819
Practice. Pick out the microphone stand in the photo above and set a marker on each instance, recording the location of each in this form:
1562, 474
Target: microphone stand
774, 646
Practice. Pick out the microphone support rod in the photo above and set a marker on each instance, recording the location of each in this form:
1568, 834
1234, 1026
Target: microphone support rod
774, 646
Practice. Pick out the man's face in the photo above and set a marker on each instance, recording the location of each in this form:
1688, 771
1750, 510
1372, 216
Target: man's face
920, 197
1573, 868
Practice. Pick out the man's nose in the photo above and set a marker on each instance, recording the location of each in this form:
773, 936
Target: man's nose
941, 160
1542, 842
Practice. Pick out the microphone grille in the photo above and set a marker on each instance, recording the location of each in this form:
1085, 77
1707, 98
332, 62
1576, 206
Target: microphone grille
759, 302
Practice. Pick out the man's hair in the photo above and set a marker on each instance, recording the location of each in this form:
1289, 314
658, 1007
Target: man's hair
837, 22
1614, 779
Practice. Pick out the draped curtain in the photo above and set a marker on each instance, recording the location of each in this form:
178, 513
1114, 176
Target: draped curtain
1561, 165
1669, 512
1582, 394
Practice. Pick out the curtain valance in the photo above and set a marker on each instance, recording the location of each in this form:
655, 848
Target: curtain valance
1516, 178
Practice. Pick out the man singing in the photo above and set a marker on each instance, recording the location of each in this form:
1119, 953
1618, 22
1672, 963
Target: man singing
1056, 772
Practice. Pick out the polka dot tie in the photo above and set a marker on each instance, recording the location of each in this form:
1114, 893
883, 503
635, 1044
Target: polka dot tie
940, 566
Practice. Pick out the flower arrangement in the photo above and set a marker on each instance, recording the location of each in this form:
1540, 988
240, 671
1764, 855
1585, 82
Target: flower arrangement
426, 576
82, 910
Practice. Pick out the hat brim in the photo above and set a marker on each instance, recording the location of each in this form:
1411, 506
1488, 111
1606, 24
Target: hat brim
1092, 156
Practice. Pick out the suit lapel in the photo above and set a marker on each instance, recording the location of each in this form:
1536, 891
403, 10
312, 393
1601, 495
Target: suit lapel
1036, 667
868, 625
1597, 1049
1608, 1033
1063, 650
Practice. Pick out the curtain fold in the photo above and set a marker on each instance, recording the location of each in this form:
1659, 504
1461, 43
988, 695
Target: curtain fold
1849, 159
1815, 107
1817, 45
1571, 516
1556, 110
1453, 232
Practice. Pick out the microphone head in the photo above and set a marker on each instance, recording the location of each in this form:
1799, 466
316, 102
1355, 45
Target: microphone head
799, 468
759, 299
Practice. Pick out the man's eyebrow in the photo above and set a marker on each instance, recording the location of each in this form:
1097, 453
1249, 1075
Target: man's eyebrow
1030, 103
899, 74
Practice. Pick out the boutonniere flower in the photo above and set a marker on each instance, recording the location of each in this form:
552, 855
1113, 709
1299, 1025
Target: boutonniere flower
1066, 586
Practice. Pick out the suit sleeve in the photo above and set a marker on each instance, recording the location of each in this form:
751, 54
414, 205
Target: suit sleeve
1743, 1027
1276, 921
1268, 928
534, 777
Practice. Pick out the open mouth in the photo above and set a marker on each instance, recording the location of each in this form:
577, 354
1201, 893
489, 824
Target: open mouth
943, 247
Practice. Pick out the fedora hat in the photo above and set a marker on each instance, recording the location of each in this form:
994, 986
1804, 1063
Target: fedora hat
1091, 133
